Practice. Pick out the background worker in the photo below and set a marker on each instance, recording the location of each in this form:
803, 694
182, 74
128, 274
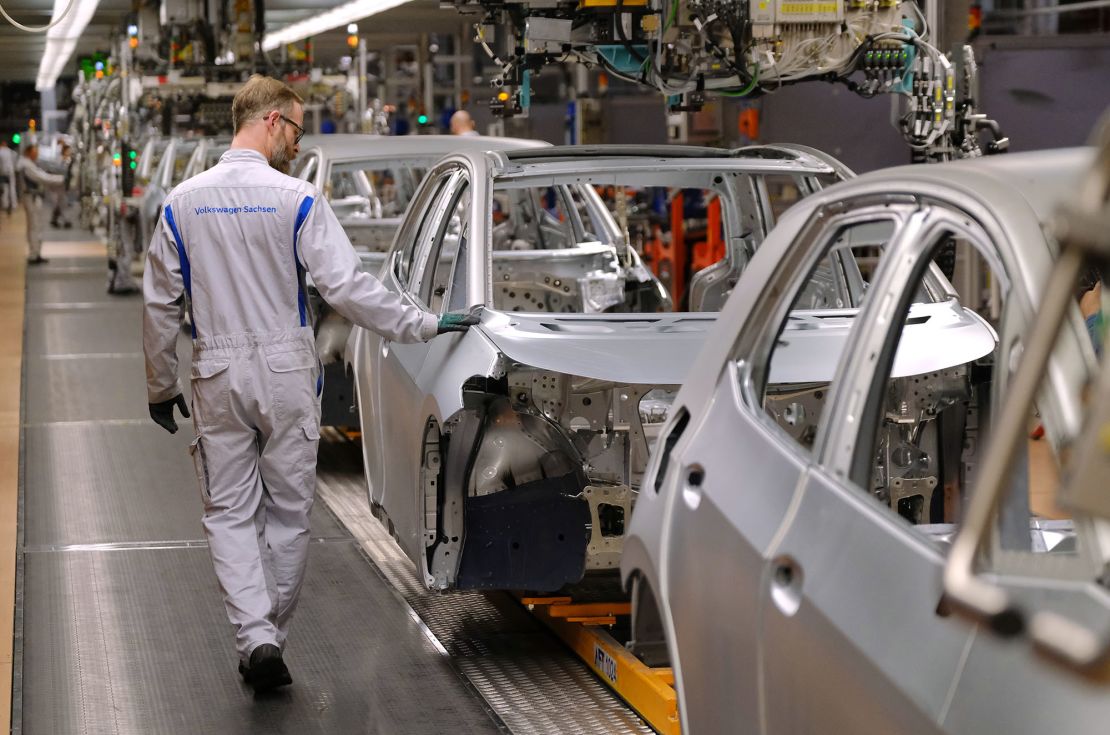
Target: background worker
58, 214
7, 177
34, 183
462, 124
232, 246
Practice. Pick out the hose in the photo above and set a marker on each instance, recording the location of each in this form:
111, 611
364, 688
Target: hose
37, 29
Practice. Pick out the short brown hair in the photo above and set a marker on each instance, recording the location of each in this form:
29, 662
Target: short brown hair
260, 95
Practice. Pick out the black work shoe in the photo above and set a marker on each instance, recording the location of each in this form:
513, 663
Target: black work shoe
124, 291
266, 670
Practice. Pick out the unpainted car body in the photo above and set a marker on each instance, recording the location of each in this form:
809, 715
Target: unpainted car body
370, 208
368, 180
787, 559
510, 457
205, 155
163, 164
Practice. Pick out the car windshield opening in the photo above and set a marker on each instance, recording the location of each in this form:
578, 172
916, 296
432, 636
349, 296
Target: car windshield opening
626, 243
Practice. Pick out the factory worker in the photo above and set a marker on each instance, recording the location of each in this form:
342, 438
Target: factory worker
7, 177
232, 246
34, 182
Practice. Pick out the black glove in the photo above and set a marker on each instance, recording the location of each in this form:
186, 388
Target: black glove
162, 413
457, 321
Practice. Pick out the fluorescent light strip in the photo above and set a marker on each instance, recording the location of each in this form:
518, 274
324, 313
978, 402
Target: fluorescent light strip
61, 40
335, 18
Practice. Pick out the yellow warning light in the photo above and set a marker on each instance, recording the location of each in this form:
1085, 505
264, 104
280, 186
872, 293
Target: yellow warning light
503, 96
133, 42
31, 124
99, 74
352, 41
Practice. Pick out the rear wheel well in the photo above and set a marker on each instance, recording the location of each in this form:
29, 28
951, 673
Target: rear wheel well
648, 641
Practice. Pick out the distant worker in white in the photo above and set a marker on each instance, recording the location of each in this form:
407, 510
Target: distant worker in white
34, 182
232, 247
7, 177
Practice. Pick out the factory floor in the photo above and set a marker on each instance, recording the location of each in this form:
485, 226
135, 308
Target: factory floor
119, 625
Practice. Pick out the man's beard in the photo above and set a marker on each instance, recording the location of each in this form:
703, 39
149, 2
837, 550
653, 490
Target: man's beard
280, 158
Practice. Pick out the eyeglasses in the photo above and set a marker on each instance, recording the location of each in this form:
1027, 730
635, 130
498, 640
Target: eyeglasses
300, 130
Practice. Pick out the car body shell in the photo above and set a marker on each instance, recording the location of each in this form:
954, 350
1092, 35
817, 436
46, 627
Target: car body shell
369, 231
371, 234
163, 164
443, 423
787, 599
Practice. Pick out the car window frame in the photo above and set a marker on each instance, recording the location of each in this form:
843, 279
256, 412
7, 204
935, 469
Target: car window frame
312, 161
165, 166
172, 173
756, 342
437, 211
459, 187
858, 374
1009, 566
407, 233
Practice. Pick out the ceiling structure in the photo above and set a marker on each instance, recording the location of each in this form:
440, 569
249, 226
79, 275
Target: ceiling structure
22, 51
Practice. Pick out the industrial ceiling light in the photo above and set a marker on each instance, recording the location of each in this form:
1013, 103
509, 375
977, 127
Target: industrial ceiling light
61, 40
335, 18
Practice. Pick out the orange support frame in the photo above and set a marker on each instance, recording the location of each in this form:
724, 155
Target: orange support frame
650, 692
712, 248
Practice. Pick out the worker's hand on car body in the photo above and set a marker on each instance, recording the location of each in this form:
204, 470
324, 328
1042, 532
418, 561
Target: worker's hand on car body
458, 321
162, 413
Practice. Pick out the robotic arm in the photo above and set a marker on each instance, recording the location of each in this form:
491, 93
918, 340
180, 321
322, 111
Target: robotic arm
687, 49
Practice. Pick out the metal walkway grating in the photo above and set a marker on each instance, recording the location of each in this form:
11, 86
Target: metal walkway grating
529, 678
120, 626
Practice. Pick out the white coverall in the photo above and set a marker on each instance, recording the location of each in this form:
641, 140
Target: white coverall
232, 245
34, 180
7, 168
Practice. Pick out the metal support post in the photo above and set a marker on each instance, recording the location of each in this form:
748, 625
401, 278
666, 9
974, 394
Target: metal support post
363, 98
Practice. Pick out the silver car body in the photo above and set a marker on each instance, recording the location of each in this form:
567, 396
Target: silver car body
205, 155
337, 165
509, 457
162, 165
785, 598
369, 222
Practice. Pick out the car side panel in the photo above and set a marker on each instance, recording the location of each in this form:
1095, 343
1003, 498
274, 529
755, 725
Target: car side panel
1006, 686
864, 648
400, 425
715, 556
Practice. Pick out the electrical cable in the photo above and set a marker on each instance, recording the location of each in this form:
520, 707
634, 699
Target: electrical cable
622, 36
38, 29
746, 90
671, 17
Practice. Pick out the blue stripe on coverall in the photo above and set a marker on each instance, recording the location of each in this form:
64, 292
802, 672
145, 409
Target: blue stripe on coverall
302, 214
186, 273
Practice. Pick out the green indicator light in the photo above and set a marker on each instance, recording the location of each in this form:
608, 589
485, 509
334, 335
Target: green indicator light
134, 165
134, 154
423, 119
16, 138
